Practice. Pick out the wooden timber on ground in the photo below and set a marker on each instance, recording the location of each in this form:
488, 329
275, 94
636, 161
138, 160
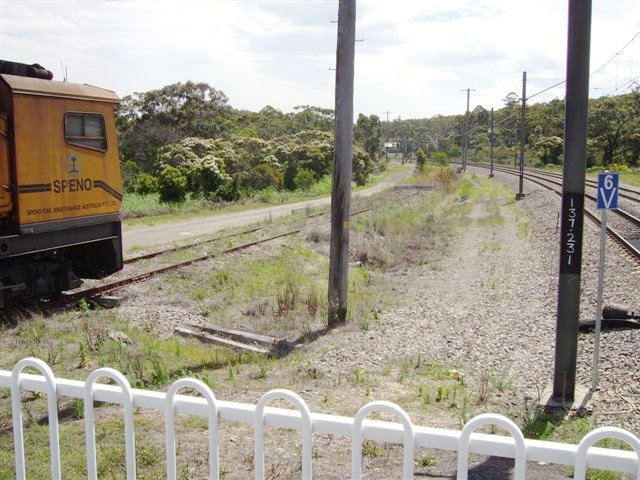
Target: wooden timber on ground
236, 339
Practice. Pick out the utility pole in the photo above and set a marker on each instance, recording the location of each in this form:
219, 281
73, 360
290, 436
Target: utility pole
573, 179
341, 187
386, 138
405, 148
491, 146
465, 135
520, 194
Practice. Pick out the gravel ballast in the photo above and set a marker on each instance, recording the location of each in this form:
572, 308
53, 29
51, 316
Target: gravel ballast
484, 310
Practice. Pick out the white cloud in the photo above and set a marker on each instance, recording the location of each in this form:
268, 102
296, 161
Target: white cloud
416, 56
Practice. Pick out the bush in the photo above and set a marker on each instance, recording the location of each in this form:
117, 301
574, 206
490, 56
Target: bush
229, 192
129, 170
361, 165
421, 160
265, 175
618, 167
304, 179
172, 184
145, 184
441, 158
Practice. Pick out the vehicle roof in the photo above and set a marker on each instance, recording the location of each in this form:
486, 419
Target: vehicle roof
50, 88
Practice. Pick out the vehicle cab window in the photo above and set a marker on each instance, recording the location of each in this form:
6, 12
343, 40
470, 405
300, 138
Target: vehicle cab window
85, 130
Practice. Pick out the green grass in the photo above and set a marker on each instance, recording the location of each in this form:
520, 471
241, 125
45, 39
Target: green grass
282, 289
148, 210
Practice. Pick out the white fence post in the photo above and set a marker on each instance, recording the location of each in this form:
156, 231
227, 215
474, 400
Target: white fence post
356, 436
307, 430
580, 469
491, 419
411, 436
129, 428
52, 406
169, 415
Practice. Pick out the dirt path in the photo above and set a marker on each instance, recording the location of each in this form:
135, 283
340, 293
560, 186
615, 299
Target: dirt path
148, 236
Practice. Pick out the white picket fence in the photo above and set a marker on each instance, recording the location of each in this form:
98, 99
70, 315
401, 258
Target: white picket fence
207, 406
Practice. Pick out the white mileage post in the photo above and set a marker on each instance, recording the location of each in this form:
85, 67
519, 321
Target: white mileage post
607, 198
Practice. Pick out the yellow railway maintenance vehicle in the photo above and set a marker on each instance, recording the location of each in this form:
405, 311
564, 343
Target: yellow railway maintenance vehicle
60, 184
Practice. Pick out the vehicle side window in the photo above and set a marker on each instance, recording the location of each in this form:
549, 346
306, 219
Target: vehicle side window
85, 130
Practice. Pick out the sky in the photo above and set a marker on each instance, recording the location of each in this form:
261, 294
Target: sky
413, 57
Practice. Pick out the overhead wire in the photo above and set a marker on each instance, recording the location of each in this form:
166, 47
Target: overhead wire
617, 53
596, 71
625, 85
546, 89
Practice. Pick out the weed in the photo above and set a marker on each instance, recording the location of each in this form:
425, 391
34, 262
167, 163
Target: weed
84, 305
315, 454
359, 377
442, 393
464, 414
426, 461
403, 373
78, 408
502, 380
83, 354
263, 371
160, 374
483, 389
288, 298
365, 324
372, 449
312, 301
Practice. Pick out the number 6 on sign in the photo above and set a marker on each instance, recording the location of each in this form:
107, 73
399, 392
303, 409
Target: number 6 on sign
607, 190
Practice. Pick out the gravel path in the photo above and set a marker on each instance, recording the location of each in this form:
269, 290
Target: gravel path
492, 308
487, 309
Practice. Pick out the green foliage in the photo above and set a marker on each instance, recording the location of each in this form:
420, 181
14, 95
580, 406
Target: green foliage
362, 165
304, 179
421, 160
201, 162
148, 121
129, 169
441, 158
368, 132
551, 149
172, 184
145, 184
265, 175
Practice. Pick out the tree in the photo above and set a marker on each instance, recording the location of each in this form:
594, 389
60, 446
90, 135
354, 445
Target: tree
368, 132
421, 160
199, 161
304, 179
361, 165
609, 122
148, 121
172, 184
441, 158
552, 148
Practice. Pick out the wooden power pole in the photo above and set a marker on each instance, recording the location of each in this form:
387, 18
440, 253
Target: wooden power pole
573, 178
341, 188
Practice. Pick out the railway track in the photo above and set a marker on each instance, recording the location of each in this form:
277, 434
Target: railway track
623, 226
292, 227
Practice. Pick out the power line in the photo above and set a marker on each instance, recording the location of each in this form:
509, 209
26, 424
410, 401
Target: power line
546, 89
505, 119
626, 85
599, 69
618, 53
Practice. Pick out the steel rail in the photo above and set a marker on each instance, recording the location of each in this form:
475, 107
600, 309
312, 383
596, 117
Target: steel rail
615, 235
94, 292
150, 255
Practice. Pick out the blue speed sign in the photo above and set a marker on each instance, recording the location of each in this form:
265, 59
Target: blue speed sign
608, 190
